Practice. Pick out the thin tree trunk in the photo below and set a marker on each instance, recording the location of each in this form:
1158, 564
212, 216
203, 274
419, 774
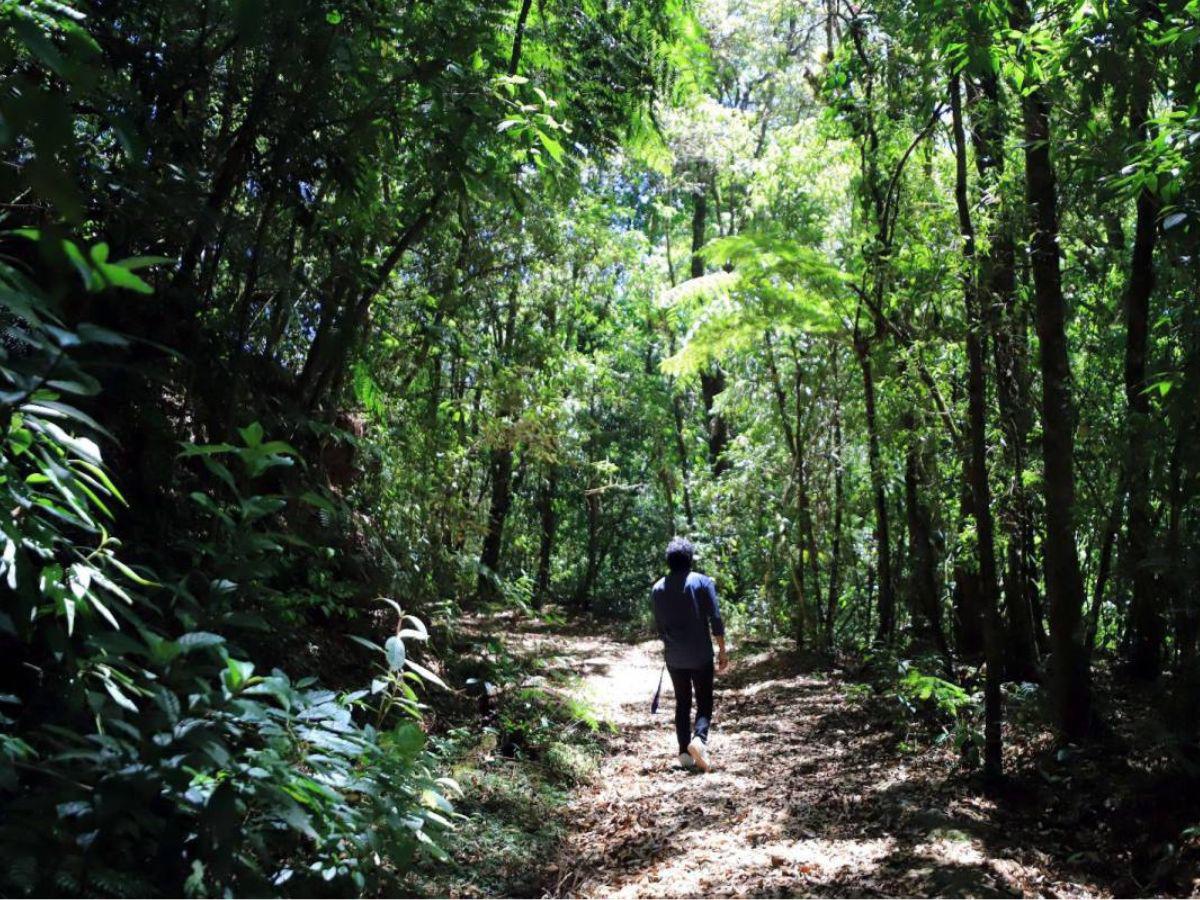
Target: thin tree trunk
331, 350
227, 176
514, 61
1070, 678
685, 469
583, 592
883, 549
998, 306
968, 610
1145, 615
712, 379
791, 439
500, 460
981, 498
838, 502
923, 559
1181, 486
808, 533
500, 471
549, 526
1112, 524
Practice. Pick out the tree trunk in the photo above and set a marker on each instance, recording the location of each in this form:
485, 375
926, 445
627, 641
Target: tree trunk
583, 591
549, 525
883, 550
968, 611
500, 470
981, 497
998, 308
500, 459
712, 385
1145, 615
923, 559
227, 176
355, 318
1180, 565
804, 504
514, 60
685, 469
1112, 524
1070, 679
791, 436
835, 555
712, 380
321, 348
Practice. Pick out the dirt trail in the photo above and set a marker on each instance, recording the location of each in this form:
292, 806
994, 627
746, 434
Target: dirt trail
809, 796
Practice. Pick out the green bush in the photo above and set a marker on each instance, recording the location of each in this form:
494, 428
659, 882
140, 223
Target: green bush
139, 755
945, 706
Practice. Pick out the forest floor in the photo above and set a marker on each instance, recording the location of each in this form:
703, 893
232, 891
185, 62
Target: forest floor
808, 796
815, 792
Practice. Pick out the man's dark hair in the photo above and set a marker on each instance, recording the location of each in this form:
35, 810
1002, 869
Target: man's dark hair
680, 554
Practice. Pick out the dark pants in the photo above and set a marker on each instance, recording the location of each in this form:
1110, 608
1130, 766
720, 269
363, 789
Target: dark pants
685, 681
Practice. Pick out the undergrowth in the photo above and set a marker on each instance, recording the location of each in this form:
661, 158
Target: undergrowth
538, 743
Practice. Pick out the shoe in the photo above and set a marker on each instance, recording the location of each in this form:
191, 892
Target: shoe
698, 751
685, 761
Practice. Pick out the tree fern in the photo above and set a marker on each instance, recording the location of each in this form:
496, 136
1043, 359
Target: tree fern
767, 282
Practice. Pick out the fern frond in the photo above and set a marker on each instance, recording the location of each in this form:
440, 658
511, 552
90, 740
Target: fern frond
706, 287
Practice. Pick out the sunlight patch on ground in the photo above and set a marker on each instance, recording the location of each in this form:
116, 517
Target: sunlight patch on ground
953, 850
611, 687
761, 686
828, 857
889, 779
718, 863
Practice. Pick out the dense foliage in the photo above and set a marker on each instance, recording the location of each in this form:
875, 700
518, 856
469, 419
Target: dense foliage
210, 209
888, 306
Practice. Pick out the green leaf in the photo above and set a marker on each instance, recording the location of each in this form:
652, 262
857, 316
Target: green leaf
117, 695
95, 603
416, 632
142, 262
198, 640
370, 645
252, 434
408, 739
19, 440
131, 574
237, 673
316, 500
425, 674
553, 147
120, 277
394, 648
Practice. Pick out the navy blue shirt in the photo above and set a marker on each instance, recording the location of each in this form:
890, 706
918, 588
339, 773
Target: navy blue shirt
685, 606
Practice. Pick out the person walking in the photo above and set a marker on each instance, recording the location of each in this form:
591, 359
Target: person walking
688, 617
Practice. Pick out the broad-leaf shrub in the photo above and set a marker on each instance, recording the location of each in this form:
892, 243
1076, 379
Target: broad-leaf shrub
138, 756
955, 713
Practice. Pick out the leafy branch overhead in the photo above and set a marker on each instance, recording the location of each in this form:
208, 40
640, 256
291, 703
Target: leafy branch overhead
359, 358
763, 282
